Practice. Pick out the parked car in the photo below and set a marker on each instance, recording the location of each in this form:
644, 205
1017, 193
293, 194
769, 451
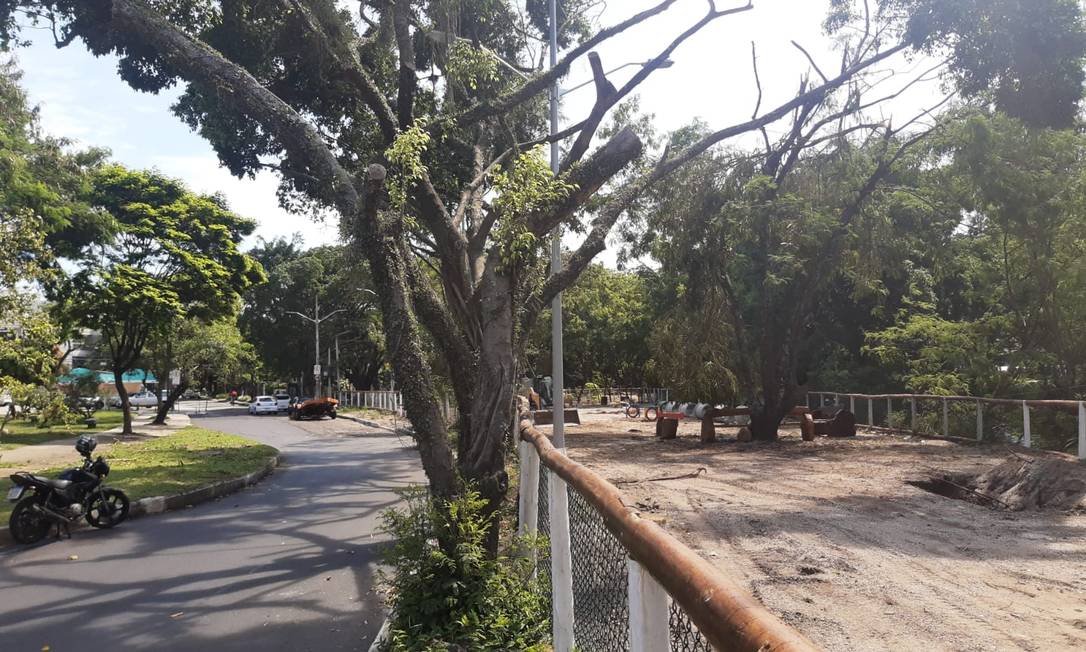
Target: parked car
264, 405
192, 395
282, 399
138, 399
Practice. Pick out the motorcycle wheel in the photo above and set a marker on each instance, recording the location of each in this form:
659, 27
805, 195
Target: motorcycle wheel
28, 525
108, 509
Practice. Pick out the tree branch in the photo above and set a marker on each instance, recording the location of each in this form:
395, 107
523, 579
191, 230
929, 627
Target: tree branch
200, 63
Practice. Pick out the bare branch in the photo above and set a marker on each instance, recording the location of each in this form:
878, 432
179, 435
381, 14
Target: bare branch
811, 60
542, 82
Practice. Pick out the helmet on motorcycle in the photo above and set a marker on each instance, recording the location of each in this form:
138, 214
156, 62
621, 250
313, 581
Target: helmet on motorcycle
85, 444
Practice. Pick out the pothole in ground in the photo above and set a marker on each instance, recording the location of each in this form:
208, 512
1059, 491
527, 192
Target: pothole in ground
1019, 483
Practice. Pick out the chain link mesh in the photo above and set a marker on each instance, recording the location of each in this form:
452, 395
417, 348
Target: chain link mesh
543, 525
600, 598
685, 636
600, 601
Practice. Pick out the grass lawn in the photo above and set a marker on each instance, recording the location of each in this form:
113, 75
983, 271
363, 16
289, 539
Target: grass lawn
20, 432
188, 459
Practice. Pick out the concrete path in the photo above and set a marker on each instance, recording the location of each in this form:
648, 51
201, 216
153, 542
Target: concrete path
61, 451
285, 565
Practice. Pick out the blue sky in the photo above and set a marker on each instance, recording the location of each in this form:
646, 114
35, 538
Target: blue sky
81, 97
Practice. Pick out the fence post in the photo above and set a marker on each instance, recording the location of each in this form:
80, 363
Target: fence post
889, 409
980, 421
529, 489
852, 404
649, 613
1025, 425
561, 564
946, 418
912, 413
808, 399
870, 411
1082, 430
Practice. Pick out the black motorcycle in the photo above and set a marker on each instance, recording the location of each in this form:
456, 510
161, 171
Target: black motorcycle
42, 503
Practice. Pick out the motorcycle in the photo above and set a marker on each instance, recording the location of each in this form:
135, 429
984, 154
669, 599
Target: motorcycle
42, 503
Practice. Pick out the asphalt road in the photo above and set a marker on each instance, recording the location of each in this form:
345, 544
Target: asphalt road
288, 564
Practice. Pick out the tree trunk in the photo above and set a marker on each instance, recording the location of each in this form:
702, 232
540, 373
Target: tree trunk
482, 446
165, 406
380, 239
122, 393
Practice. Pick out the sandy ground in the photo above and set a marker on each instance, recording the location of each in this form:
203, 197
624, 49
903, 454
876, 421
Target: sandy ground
831, 538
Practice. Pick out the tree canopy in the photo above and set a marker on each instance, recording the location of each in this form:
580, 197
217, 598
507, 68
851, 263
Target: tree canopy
173, 255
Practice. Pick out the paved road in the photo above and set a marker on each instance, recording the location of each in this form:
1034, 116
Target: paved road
285, 565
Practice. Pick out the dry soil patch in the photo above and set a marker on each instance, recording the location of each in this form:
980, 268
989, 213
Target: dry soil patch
829, 535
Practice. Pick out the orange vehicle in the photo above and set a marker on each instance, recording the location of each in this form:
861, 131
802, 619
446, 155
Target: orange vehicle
313, 408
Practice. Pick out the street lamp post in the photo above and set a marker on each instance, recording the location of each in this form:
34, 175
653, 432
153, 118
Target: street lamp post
316, 320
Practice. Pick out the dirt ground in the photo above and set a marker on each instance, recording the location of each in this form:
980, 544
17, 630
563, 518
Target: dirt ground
831, 538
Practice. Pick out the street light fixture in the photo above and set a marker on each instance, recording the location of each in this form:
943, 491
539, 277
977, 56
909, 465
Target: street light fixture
666, 63
316, 320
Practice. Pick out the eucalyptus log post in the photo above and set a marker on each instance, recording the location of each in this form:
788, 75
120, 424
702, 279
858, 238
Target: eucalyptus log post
708, 427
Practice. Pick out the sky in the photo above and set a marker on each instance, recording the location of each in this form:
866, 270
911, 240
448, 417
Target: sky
81, 97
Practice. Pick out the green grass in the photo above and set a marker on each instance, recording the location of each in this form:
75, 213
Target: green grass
20, 432
186, 460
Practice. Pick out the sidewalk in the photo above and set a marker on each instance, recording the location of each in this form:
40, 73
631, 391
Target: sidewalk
61, 452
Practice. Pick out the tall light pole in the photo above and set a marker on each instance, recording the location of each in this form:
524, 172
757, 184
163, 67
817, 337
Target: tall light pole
557, 494
316, 320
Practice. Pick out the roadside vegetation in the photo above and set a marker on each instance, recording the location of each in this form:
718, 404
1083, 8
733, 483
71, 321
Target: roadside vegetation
182, 461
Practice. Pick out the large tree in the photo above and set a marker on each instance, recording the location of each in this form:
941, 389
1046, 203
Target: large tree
332, 277
174, 255
415, 122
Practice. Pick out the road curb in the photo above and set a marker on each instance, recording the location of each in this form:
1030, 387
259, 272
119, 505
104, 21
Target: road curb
381, 638
160, 504
406, 432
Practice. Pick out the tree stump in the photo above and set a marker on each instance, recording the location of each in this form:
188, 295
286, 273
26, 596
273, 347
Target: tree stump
807, 428
708, 428
667, 428
744, 435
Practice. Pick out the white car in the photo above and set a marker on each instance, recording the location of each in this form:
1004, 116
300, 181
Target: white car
264, 405
283, 401
143, 399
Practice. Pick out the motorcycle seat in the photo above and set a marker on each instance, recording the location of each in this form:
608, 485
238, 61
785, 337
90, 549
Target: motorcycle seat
56, 484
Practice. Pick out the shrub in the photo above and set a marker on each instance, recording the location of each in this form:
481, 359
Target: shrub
447, 593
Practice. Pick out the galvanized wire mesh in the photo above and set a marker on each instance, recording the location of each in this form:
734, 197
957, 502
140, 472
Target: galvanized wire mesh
600, 584
600, 601
543, 524
685, 636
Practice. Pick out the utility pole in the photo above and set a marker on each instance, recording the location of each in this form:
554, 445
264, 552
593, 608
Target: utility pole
316, 320
558, 495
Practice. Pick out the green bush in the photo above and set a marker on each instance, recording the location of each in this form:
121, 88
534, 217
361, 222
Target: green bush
452, 595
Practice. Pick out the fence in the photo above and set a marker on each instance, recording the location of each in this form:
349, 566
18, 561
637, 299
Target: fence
619, 582
593, 396
391, 401
989, 418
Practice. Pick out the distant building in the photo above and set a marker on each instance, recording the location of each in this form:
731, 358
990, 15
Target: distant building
134, 380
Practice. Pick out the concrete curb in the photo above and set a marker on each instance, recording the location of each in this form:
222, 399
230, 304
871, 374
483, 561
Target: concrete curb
159, 504
406, 432
381, 638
